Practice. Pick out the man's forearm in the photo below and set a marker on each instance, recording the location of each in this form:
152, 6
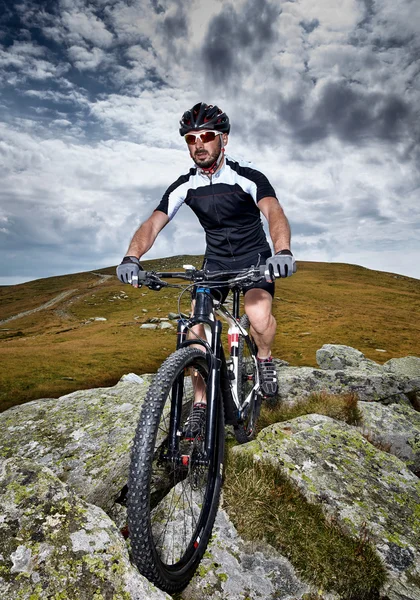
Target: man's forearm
142, 241
146, 234
278, 225
280, 232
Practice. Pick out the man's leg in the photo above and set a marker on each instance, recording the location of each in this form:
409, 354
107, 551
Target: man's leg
258, 304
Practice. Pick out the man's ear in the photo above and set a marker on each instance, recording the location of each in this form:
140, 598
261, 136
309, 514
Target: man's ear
225, 138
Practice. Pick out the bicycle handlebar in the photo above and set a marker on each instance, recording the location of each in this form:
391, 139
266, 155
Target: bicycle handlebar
204, 277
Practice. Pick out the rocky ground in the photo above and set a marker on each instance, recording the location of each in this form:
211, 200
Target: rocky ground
64, 463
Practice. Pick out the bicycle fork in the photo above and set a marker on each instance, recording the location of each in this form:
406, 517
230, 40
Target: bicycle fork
214, 361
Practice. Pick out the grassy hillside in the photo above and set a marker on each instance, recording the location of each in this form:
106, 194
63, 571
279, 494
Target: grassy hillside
60, 349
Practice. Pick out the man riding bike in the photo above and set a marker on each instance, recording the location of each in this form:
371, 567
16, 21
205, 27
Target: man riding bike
228, 197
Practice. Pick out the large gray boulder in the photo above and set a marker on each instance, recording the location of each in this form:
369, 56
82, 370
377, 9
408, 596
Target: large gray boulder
347, 370
394, 428
407, 367
337, 357
296, 383
367, 491
84, 437
54, 545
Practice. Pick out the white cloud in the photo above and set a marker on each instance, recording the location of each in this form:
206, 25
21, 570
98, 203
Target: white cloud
87, 26
84, 59
323, 97
23, 60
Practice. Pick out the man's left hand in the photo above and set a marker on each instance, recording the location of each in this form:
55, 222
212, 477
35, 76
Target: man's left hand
282, 264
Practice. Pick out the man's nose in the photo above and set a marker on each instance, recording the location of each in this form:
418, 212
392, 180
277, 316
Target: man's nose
199, 143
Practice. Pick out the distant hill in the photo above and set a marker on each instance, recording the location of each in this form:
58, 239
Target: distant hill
50, 343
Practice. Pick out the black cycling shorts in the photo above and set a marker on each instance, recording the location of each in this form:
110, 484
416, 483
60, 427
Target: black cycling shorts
222, 264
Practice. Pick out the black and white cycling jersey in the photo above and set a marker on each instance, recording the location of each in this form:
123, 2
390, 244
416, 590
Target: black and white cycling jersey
226, 206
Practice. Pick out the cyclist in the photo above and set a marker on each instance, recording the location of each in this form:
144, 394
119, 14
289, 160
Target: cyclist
228, 197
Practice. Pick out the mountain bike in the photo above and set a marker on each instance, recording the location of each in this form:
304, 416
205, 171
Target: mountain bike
175, 479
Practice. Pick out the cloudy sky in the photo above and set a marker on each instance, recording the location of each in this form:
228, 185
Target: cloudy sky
324, 97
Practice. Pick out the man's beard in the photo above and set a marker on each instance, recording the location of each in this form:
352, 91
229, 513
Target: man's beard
207, 159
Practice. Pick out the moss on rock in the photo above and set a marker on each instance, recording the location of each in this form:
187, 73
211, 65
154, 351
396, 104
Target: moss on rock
84, 437
55, 545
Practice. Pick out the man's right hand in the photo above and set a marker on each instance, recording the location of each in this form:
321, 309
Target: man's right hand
131, 271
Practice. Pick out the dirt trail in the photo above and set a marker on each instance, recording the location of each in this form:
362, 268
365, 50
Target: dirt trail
53, 301
38, 308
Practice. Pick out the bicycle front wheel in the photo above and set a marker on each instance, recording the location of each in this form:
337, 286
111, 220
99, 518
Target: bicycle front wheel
248, 395
172, 502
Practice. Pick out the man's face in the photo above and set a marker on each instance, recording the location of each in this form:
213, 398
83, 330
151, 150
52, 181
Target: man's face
205, 154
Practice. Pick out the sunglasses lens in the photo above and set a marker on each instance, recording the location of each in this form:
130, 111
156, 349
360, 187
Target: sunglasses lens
206, 136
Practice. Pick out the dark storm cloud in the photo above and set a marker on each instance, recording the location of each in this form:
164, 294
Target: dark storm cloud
368, 208
230, 33
307, 229
309, 26
349, 113
176, 25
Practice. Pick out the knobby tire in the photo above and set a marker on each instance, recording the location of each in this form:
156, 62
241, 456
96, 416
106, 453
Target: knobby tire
171, 507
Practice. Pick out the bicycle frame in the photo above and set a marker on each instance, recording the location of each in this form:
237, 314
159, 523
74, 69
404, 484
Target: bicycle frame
219, 375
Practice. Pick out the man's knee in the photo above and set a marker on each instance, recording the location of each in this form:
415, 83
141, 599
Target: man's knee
258, 304
262, 322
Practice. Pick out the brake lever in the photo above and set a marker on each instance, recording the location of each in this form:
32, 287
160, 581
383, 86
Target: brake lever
154, 283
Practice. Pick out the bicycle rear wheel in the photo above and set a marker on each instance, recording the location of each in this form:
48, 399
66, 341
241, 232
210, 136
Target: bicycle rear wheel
172, 505
247, 379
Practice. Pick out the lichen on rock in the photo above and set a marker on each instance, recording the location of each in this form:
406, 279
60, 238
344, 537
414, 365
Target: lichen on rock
396, 428
55, 545
84, 437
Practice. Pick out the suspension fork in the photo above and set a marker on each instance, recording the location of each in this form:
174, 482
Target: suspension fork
177, 393
213, 390
214, 401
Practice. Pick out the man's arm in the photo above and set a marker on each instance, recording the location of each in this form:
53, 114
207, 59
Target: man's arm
278, 224
147, 233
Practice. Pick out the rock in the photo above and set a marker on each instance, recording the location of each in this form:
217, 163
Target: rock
55, 545
409, 367
395, 427
366, 491
173, 316
344, 370
234, 570
165, 325
153, 320
296, 383
337, 357
100, 319
148, 326
132, 378
84, 437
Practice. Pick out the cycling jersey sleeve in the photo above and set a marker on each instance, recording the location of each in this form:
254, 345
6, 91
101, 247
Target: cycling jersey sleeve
174, 196
263, 186
252, 180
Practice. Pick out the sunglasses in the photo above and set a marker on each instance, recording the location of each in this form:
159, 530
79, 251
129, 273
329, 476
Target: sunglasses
205, 137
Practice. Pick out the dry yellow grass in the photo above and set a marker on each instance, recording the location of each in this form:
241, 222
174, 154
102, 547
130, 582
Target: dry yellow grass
322, 303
